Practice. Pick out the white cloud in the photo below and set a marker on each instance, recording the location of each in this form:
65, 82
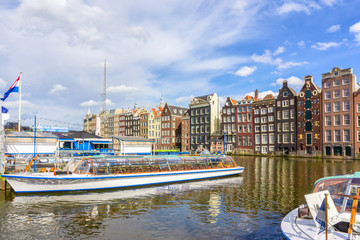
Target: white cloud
301, 44
245, 71
325, 45
279, 50
293, 7
267, 58
56, 89
109, 102
90, 103
331, 2
185, 99
355, 29
121, 89
333, 28
293, 81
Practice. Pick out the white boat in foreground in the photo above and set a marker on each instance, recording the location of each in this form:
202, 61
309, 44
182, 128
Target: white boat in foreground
343, 211
107, 173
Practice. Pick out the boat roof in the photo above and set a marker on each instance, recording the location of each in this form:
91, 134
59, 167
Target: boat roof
349, 176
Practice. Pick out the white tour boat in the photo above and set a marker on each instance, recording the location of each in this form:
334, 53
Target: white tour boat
340, 220
109, 172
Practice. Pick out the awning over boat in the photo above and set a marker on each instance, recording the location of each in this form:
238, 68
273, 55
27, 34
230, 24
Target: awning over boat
100, 142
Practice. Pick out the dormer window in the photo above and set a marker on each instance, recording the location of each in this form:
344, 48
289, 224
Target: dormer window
336, 73
285, 94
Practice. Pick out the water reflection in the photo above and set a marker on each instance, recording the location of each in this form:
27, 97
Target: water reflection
247, 207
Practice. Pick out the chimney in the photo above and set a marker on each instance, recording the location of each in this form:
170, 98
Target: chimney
256, 94
285, 83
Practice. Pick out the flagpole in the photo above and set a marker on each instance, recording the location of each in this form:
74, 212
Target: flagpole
20, 83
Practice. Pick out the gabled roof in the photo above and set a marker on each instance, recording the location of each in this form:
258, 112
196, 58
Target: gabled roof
157, 111
269, 96
247, 97
175, 110
233, 101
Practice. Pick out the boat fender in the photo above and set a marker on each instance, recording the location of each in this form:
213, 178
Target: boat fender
58, 172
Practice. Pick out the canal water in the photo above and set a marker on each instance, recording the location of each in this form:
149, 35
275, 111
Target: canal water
249, 206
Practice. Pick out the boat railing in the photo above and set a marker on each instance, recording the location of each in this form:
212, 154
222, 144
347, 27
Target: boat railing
100, 166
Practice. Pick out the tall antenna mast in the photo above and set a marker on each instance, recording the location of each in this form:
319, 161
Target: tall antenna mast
104, 90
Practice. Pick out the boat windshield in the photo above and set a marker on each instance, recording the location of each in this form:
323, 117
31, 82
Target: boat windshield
151, 164
339, 188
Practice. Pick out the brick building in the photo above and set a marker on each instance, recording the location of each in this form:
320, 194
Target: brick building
264, 120
285, 120
309, 119
338, 117
171, 127
244, 124
229, 124
185, 132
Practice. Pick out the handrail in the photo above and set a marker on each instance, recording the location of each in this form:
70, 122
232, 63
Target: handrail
92, 161
29, 165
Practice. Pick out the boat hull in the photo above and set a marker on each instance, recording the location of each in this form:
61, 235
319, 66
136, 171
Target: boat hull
295, 228
40, 182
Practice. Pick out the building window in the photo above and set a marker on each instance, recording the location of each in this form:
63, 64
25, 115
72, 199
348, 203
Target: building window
271, 118
257, 139
263, 111
245, 141
328, 136
358, 136
264, 139
308, 126
336, 93
327, 107
279, 115
264, 128
279, 138
327, 84
346, 119
239, 109
279, 127
346, 92
337, 137
336, 83
285, 114
240, 140
271, 127
250, 140
300, 102
256, 111
285, 103
358, 108
346, 135
358, 121
286, 137
345, 81
327, 95
257, 120
257, 128
249, 108
308, 104
286, 127
337, 120
272, 138
346, 106
285, 94
308, 115
271, 110
336, 106
308, 139
308, 93
327, 120
292, 101
264, 120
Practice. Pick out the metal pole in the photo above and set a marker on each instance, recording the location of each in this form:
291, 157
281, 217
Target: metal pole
20, 83
326, 217
224, 143
35, 144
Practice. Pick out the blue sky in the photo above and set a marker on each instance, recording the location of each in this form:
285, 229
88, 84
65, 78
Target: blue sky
178, 49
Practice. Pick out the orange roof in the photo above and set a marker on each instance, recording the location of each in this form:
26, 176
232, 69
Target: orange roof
233, 101
269, 96
247, 97
157, 111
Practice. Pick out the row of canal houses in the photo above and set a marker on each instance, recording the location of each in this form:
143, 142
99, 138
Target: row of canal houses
313, 122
